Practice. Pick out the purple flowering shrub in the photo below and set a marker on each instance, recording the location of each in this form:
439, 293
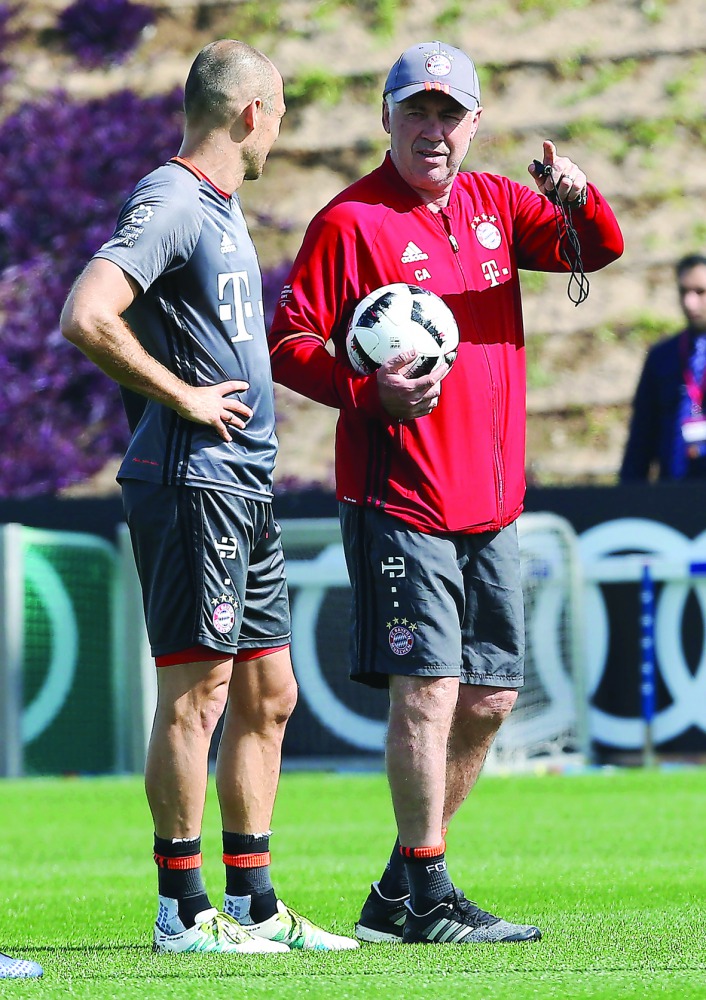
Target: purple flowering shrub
99, 31
68, 168
70, 165
60, 416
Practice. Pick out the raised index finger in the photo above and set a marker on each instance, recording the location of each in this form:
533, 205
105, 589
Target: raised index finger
549, 151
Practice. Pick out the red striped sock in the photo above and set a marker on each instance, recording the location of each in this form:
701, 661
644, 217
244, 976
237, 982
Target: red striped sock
179, 876
249, 895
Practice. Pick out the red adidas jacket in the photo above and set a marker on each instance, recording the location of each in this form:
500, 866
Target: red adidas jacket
462, 467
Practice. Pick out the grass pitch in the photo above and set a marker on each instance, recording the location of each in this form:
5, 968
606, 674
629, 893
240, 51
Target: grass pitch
610, 864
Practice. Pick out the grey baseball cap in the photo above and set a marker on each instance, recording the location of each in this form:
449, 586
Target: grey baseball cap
434, 66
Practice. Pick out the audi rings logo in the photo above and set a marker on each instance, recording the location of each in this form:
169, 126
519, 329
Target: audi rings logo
310, 579
328, 569
601, 552
668, 548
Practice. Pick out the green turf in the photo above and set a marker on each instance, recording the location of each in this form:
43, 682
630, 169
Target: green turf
610, 864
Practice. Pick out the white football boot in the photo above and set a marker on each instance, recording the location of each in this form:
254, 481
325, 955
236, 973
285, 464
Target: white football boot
212, 932
296, 932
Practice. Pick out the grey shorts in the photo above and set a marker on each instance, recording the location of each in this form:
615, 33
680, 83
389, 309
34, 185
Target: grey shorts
211, 568
433, 605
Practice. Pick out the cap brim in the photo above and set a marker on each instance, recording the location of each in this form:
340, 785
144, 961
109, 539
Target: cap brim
469, 102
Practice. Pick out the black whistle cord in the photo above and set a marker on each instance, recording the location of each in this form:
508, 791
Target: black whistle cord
569, 244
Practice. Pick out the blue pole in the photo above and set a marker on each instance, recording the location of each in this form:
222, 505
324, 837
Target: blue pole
647, 659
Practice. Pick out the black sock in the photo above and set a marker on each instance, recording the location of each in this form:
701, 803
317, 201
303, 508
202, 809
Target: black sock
394, 883
247, 860
429, 880
179, 876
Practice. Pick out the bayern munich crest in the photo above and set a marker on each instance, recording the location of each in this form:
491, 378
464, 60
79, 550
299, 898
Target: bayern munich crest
487, 233
401, 638
438, 64
224, 613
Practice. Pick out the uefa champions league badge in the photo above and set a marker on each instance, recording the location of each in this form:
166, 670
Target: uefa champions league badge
401, 636
224, 613
438, 64
487, 233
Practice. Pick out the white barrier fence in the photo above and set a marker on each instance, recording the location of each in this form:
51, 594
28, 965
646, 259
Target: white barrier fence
71, 604
617, 552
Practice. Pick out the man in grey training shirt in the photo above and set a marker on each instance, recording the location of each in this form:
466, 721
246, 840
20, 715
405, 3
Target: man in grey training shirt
171, 308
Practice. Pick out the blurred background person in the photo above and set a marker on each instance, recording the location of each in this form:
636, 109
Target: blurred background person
667, 437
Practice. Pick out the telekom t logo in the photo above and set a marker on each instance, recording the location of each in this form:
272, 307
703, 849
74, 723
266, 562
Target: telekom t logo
491, 272
393, 566
235, 303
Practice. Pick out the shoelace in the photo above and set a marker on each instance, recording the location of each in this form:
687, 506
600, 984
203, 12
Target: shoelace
223, 922
297, 928
481, 918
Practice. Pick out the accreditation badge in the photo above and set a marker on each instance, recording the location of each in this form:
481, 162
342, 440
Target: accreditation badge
693, 429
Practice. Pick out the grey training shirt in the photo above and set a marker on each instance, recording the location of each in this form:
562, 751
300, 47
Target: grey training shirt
201, 315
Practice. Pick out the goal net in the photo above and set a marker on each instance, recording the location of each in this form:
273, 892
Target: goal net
549, 721
70, 605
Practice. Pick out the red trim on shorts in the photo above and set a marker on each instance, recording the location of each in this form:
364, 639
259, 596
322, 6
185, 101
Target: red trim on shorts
194, 654
199, 654
178, 864
247, 860
254, 654
423, 852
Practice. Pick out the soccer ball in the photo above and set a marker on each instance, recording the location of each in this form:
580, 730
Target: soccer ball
397, 318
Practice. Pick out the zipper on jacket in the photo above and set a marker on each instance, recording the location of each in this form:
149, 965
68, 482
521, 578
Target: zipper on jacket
499, 465
445, 222
446, 226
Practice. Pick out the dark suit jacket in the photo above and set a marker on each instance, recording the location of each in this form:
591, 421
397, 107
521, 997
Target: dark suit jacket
654, 427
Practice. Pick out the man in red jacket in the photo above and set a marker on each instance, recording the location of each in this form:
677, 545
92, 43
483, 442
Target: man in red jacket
430, 482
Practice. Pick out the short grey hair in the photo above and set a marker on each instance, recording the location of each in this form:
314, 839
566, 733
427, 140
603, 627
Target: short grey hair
224, 75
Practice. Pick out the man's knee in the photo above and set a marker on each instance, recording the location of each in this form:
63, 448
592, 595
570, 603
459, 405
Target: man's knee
423, 700
485, 706
279, 705
263, 699
271, 712
193, 696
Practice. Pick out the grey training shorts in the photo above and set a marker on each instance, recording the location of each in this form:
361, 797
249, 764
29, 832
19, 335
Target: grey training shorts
211, 568
433, 605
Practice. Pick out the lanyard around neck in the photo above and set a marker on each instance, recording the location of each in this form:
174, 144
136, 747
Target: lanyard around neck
695, 390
